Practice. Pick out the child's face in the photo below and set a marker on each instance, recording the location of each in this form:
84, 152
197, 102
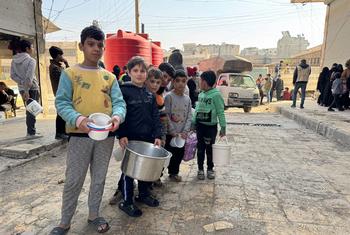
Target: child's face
153, 84
203, 85
138, 75
180, 84
165, 79
92, 49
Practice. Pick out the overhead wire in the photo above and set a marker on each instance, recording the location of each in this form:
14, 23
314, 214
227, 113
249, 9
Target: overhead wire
49, 18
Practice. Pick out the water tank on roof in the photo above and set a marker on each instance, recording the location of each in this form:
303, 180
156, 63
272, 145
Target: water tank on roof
157, 54
122, 46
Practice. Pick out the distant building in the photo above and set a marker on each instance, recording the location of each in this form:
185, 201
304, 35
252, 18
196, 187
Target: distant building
288, 45
193, 53
250, 51
312, 57
259, 57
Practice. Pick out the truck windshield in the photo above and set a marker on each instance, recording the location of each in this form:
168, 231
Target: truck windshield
241, 81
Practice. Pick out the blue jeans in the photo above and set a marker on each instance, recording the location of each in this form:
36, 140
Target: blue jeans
297, 86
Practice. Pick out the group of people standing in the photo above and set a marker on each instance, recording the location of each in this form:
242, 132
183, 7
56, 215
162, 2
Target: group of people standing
152, 107
334, 85
270, 86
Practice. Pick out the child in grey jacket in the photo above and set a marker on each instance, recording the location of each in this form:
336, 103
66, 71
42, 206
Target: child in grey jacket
337, 91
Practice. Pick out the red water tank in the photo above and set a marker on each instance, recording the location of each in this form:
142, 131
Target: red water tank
157, 54
122, 46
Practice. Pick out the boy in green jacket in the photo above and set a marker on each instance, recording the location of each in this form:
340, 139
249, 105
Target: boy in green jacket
209, 109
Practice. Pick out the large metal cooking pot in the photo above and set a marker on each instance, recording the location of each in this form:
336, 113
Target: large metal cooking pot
144, 161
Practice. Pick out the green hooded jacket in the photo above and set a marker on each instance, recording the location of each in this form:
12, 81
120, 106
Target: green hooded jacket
210, 107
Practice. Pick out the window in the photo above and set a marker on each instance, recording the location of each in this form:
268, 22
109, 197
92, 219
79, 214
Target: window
242, 81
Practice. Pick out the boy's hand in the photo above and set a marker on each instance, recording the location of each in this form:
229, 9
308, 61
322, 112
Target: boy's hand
222, 132
83, 125
183, 135
115, 123
123, 142
26, 96
158, 142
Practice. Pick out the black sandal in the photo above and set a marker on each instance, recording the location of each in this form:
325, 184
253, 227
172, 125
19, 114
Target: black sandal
149, 200
130, 209
98, 222
59, 231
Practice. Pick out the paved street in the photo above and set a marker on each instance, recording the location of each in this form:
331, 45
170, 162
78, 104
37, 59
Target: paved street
283, 179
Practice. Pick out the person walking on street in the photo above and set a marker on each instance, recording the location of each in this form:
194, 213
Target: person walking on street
300, 78
55, 71
23, 73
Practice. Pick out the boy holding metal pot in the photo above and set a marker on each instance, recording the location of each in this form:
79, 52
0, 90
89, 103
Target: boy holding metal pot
142, 123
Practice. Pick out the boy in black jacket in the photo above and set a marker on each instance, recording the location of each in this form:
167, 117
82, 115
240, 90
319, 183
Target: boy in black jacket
141, 123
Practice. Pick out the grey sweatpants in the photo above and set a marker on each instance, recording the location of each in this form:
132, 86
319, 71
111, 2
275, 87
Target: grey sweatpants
84, 152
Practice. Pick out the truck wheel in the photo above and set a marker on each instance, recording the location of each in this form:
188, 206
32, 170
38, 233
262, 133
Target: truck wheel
247, 109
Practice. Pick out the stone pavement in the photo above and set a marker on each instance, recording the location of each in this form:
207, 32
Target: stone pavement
16, 148
333, 125
283, 179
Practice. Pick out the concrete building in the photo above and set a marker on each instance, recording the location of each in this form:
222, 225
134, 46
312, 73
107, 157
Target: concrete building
27, 23
193, 53
312, 56
212, 49
336, 32
259, 57
288, 45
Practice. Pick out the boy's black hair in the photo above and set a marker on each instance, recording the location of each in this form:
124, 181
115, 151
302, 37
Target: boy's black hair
154, 73
91, 32
209, 77
180, 73
24, 44
136, 60
116, 70
55, 51
168, 68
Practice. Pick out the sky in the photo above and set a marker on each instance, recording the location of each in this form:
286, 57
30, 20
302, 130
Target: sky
248, 23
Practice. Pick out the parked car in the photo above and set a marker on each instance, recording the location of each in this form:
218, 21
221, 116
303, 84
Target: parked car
238, 90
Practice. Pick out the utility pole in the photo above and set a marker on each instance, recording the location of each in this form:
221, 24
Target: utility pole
137, 16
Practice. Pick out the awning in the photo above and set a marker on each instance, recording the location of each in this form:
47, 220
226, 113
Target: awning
48, 26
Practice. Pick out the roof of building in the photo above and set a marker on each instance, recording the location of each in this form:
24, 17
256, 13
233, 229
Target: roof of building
308, 51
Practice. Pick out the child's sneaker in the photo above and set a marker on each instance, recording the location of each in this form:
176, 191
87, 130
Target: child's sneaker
130, 209
200, 175
175, 178
210, 174
149, 200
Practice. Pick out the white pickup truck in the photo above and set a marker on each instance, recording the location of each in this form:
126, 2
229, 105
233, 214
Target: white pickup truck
238, 90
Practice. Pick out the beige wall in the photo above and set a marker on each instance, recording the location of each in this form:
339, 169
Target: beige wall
337, 35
